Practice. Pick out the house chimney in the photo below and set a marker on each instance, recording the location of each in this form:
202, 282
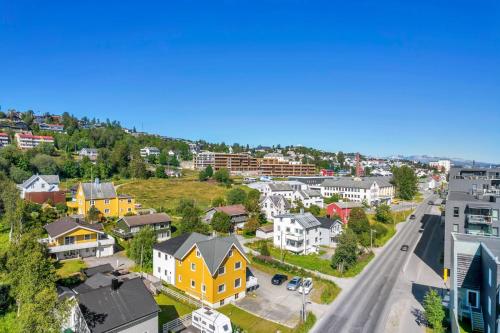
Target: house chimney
115, 284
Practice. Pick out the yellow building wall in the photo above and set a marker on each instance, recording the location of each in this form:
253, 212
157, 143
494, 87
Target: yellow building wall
79, 235
202, 275
108, 207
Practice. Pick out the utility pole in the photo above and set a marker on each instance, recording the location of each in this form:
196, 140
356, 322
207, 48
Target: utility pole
303, 317
142, 250
371, 239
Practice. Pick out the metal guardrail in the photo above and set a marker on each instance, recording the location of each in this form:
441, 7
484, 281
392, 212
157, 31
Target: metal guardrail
177, 324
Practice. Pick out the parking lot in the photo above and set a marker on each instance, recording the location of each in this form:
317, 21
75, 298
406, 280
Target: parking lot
272, 302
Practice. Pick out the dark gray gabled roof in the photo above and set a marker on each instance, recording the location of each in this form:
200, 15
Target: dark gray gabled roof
105, 309
348, 182
66, 224
96, 281
276, 187
306, 194
212, 249
146, 219
98, 190
327, 223
104, 268
277, 199
306, 220
50, 179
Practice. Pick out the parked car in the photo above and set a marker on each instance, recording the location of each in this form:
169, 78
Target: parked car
412, 217
306, 286
278, 279
294, 283
404, 248
430, 202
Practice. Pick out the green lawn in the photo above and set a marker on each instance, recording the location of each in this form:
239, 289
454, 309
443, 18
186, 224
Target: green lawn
166, 193
69, 267
171, 309
313, 261
250, 323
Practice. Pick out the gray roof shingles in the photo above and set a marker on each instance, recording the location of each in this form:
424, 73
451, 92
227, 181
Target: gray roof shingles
306, 220
99, 190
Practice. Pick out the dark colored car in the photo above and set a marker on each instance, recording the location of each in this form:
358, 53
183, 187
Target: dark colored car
431, 202
404, 248
278, 279
412, 217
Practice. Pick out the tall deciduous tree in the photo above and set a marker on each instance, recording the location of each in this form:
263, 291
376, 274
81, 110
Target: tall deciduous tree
406, 182
433, 310
141, 247
222, 176
346, 253
236, 196
383, 214
221, 222
358, 221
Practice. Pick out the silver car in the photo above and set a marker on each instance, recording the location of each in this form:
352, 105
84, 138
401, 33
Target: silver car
294, 283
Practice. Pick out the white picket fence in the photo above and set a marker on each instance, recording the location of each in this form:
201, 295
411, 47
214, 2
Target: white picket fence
178, 324
181, 297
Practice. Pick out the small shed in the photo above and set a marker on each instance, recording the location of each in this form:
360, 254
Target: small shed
265, 231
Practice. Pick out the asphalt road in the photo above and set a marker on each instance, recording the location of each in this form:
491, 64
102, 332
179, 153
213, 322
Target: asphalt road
365, 307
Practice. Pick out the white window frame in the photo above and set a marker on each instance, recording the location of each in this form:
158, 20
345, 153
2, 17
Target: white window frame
192, 284
235, 264
223, 267
223, 288
193, 267
239, 285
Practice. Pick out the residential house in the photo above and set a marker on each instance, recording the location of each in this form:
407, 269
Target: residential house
118, 306
71, 238
211, 269
237, 213
273, 205
308, 198
341, 209
441, 165
41, 189
91, 153
298, 233
128, 226
29, 141
102, 196
265, 231
329, 231
474, 282
148, 151
51, 127
283, 189
4, 139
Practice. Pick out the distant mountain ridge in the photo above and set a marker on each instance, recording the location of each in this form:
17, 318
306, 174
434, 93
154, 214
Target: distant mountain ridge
454, 160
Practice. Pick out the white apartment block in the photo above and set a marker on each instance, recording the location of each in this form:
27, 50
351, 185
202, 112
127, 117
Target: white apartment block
203, 159
29, 141
4, 139
298, 233
147, 151
371, 190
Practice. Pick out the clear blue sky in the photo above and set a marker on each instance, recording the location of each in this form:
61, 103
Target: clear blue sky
398, 77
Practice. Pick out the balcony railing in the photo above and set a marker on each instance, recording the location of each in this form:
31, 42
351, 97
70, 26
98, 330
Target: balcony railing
479, 219
80, 246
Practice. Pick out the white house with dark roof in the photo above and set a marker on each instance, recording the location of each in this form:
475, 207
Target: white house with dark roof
273, 205
91, 153
298, 233
39, 183
308, 198
329, 231
283, 189
147, 151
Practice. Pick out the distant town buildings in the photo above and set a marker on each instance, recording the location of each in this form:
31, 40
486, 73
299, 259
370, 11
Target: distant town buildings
245, 164
51, 127
441, 165
91, 153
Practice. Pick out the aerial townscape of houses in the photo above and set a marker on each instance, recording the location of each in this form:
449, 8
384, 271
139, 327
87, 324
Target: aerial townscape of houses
215, 270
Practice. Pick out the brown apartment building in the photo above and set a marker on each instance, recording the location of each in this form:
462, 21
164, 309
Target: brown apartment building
248, 165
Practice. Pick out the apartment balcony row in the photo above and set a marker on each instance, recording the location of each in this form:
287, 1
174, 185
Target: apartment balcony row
77, 246
479, 219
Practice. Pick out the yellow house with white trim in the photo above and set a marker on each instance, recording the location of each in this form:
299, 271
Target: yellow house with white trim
211, 269
102, 196
70, 238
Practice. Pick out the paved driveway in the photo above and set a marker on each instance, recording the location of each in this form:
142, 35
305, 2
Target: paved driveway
118, 260
271, 302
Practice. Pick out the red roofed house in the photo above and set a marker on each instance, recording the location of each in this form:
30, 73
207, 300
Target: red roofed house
238, 214
4, 139
341, 209
29, 141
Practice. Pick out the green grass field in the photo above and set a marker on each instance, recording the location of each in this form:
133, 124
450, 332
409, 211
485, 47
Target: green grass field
250, 323
166, 193
69, 267
170, 309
